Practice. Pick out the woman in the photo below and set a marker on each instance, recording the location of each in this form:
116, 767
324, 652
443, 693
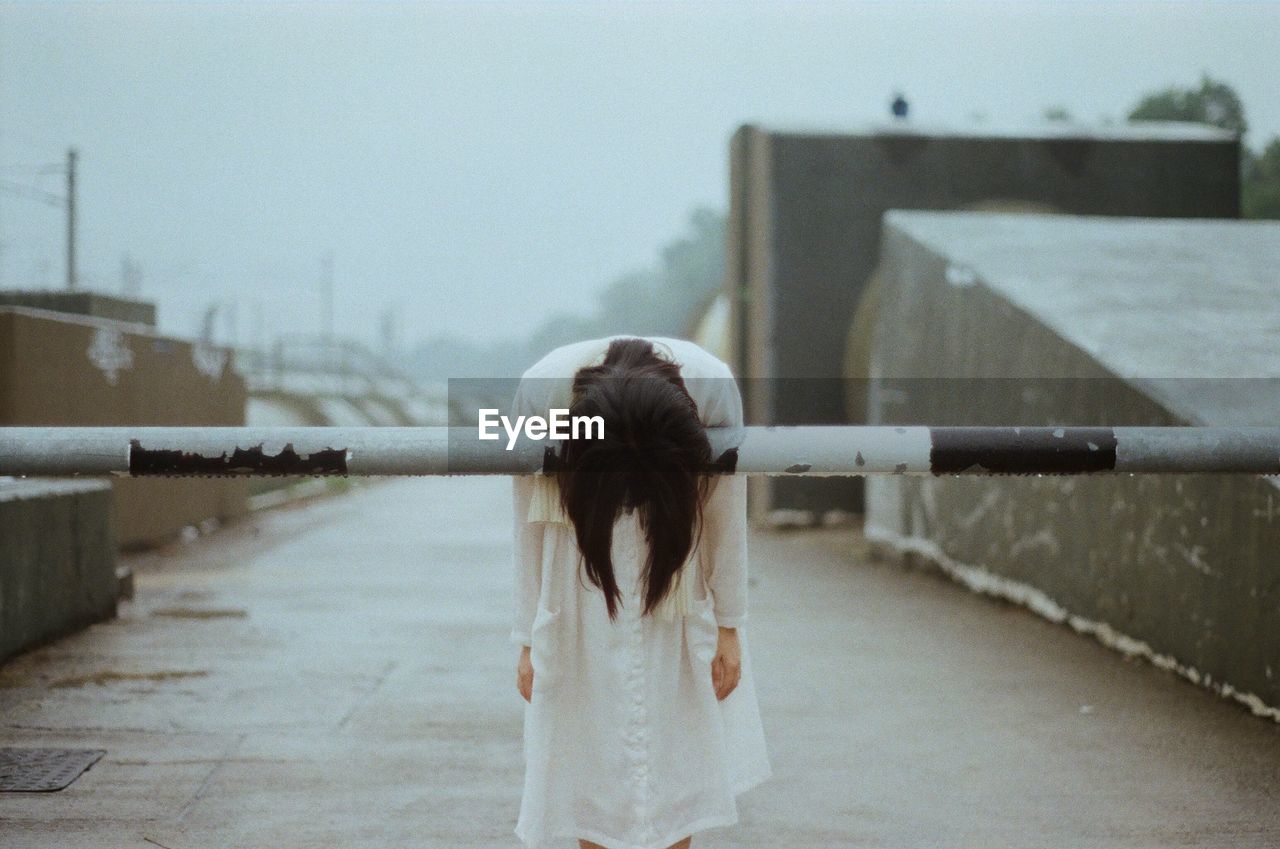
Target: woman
642, 723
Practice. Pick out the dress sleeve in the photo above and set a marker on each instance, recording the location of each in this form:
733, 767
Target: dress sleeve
725, 515
526, 543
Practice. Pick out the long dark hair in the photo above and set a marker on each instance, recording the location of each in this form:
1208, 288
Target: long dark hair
653, 458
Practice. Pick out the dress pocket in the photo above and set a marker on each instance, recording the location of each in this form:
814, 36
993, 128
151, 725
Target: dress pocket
543, 647
701, 630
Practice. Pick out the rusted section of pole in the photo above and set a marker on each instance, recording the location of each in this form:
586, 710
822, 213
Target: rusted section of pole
251, 461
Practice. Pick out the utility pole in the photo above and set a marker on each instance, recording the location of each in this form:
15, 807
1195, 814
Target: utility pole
388, 331
72, 156
259, 341
233, 324
130, 276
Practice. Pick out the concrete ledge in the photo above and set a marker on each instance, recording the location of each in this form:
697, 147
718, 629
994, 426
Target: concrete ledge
1075, 320
57, 560
88, 304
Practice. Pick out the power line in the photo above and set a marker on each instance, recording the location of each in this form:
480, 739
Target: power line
67, 201
32, 193
72, 156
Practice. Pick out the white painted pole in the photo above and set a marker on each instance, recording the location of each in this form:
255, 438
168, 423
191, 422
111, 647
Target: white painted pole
808, 450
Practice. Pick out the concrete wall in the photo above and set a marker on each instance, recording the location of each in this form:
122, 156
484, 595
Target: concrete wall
804, 235
1039, 320
60, 369
709, 327
57, 560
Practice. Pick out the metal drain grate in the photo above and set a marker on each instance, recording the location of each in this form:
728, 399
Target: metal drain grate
27, 770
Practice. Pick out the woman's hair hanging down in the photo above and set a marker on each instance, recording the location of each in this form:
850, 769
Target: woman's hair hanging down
653, 458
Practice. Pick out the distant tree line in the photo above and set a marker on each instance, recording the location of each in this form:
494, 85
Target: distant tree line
655, 301
1216, 103
662, 299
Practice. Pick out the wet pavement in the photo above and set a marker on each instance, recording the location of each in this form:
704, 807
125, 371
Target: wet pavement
338, 674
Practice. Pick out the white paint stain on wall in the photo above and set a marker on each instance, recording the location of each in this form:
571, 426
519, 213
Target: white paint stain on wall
208, 359
1271, 511
1193, 557
961, 276
109, 353
1042, 538
989, 499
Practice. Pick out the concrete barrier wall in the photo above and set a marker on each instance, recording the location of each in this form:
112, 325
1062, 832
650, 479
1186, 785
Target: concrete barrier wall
57, 560
58, 369
804, 237
998, 320
82, 303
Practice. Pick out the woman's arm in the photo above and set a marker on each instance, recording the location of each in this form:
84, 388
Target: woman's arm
526, 539
527, 560
725, 514
725, 541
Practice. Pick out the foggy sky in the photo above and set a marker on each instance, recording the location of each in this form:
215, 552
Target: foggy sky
480, 166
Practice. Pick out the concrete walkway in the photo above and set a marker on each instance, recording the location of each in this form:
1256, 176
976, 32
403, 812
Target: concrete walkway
338, 675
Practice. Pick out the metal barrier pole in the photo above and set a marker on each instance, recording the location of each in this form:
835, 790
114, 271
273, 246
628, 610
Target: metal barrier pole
782, 450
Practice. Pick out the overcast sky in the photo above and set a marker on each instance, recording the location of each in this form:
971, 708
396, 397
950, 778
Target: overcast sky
477, 167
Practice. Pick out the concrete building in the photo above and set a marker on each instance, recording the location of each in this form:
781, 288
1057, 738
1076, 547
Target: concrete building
1067, 320
804, 235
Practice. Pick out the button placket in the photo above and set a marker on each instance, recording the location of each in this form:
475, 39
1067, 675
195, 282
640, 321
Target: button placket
637, 732
644, 823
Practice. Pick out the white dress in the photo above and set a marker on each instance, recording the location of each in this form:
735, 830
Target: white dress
625, 743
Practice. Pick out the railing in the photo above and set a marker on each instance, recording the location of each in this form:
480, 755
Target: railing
313, 364
782, 450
